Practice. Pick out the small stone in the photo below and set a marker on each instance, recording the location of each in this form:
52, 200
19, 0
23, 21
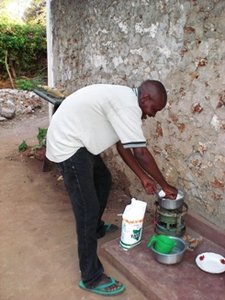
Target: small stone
28, 110
218, 183
7, 112
10, 103
194, 75
60, 178
2, 119
202, 148
196, 108
189, 29
181, 126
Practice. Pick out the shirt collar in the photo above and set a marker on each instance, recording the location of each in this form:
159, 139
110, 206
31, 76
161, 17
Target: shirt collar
135, 90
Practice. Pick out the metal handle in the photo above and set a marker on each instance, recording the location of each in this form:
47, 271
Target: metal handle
51, 99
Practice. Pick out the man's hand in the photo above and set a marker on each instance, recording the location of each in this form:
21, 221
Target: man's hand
149, 185
170, 191
141, 162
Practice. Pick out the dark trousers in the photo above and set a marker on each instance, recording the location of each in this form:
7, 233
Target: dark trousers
88, 182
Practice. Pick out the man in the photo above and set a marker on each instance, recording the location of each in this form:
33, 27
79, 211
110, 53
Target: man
88, 122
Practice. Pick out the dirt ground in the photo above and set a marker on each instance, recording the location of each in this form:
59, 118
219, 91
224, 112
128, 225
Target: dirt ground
5, 84
38, 257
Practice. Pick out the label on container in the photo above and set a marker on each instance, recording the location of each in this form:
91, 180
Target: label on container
131, 233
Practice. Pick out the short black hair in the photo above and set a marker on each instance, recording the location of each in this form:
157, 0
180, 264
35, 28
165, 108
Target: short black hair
148, 84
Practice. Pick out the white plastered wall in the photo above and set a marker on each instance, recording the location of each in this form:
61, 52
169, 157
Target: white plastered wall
49, 50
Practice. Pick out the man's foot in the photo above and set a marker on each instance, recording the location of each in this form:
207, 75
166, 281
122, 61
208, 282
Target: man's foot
107, 286
107, 228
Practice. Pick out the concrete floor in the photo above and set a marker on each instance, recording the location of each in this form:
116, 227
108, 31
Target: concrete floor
38, 258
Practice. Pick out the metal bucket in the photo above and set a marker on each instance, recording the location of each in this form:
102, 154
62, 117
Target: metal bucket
175, 256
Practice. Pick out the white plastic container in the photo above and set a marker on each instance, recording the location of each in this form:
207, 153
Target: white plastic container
132, 224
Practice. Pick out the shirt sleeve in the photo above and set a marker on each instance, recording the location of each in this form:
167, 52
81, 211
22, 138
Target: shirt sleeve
127, 124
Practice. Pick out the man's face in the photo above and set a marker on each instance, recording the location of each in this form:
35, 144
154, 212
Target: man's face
150, 106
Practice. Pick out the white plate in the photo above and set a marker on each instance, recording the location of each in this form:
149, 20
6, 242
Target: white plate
211, 262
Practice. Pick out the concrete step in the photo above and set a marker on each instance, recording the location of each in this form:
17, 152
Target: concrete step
181, 281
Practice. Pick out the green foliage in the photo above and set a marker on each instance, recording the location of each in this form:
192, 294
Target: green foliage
36, 13
23, 146
25, 84
42, 136
25, 47
29, 84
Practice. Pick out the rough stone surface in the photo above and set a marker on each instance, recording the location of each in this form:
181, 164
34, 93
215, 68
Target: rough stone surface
180, 43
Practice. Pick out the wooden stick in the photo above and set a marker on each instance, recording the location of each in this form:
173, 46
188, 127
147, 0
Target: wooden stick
7, 69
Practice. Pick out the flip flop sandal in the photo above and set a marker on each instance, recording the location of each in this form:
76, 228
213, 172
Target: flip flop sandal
102, 288
110, 228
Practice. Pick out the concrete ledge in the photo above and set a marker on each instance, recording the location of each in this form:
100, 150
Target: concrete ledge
182, 281
206, 229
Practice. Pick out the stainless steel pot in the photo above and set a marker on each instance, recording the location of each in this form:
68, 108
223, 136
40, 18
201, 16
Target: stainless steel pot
175, 256
169, 203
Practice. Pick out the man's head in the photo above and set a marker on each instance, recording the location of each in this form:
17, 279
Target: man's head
152, 97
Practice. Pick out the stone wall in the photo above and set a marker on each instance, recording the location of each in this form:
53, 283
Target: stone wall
180, 43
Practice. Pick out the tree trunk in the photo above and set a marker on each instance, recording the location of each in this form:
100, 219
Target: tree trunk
7, 69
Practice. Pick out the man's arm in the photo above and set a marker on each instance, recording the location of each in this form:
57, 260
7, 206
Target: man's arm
141, 162
128, 157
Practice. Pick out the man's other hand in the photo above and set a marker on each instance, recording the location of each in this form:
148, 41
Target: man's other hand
149, 185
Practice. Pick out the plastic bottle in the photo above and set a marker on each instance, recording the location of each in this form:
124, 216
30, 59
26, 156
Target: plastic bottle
132, 224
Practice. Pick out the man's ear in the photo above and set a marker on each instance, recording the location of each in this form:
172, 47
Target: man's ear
144, 99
